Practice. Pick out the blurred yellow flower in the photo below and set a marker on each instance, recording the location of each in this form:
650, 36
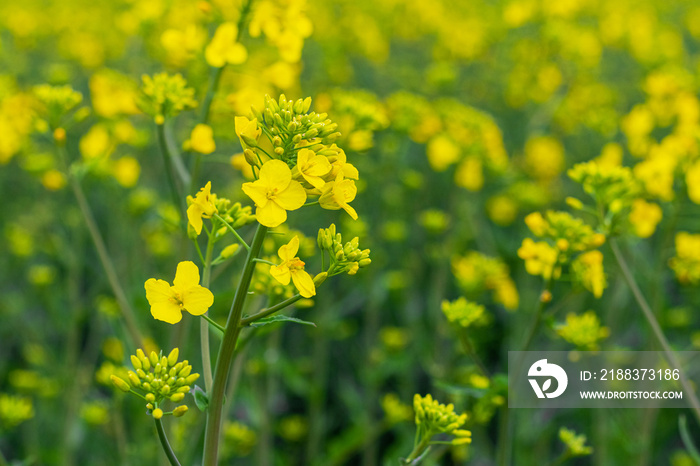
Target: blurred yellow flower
293, 268
274, 193
202, 206
224, 47
692, 179
470, 174
167, 302
583, 330
53, 180
540, 258
686, 263
544, 157
126, 171
442, 152
644, 217
588, 269
202, 139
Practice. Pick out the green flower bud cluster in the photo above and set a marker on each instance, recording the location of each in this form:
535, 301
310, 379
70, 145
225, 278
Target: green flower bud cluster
165, 95
289, 126
161, 378
433, 418
57, 102
463, 312
575, 444
235, 215
344, 258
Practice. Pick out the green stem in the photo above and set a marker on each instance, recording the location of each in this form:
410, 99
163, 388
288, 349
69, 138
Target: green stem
107, 264
166, 445
3, 461
270, 310
203, 327
563, 458
418, 452
226, 352
656, 328
469, 349
174, 192
235, 233
213, 324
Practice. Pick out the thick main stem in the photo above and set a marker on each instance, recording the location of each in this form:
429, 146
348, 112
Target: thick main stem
203, 324
226, 352
656, 328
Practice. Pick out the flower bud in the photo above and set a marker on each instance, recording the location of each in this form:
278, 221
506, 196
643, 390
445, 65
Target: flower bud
134, 379
172, 357
120, 384
150, 397
177, 397
153, 357
320, 278
136, 362
181, 410
157, 413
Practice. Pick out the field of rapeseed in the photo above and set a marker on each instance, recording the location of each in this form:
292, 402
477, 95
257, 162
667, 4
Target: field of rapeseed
293, 232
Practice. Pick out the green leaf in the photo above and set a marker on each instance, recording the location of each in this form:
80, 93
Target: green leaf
200, 399
279, 318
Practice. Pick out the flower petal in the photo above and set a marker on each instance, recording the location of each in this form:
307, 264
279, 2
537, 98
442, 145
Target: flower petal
194, 216
289, 251
167, 312
304, 283
187, 276
157, 291
196, 300
275, 174
257, 191
280, 273
291, 198
270, 215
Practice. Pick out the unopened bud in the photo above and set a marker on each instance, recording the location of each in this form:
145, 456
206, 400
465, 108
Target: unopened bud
177, 397
136, 362
320, 278
120, 383
180, 411
157, 413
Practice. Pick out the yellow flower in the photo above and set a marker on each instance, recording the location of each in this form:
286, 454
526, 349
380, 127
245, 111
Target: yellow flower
336, 195
312, 167
274, 193
644, 217
692, 179
247, 131
202, 139
224, 47
588, 269
442, 152
167, 302
202, 206
540, 258
293, 268
342, 167
583, 330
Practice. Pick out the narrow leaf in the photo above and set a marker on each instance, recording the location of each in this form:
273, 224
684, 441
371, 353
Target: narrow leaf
279, 318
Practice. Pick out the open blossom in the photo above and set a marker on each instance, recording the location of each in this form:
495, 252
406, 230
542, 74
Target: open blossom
337, 195
312, 167
202, 206
224, 47
186, 294
293, 268
274, 193
202, 139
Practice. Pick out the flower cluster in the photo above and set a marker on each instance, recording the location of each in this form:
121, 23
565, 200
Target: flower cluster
57, 101
476, 272
297, 160
344, 258
433, 418
575, 444
206, 204
159, 378
583, 330
165, 95
14, 410
565, 239
463, 312
686, 262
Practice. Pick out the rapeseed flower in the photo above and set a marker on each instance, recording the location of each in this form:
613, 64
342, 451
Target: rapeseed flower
583, 330
202, 206
274, 193
337, 194
293, 268
202, 139
224, 47
312, 167
186, 294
